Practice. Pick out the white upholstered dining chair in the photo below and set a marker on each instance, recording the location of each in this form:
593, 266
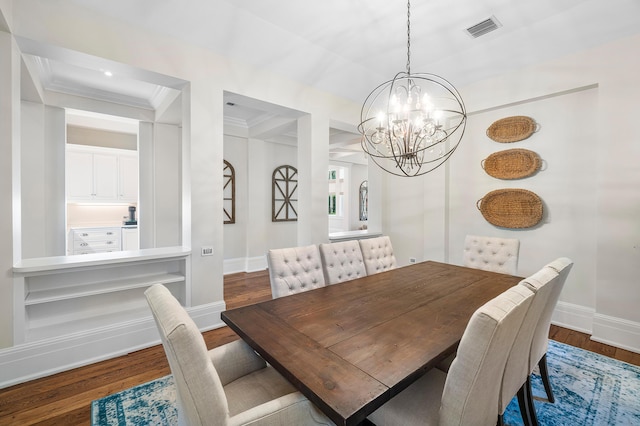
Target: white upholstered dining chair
468, 394
342, 261
377, 254
294, 270
516, 378
228, 385
540, 341
491, 253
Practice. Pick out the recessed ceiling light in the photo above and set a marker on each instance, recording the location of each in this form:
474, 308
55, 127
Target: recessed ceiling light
108, 73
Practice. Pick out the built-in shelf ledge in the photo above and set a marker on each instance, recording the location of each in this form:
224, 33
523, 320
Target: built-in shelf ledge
92, 289
353, 235
43, 264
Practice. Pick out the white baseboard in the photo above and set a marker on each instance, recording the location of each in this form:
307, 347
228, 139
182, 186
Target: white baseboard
574, 317
232, 266
616, 332
244, 264
258, 263
33, 360
605, 329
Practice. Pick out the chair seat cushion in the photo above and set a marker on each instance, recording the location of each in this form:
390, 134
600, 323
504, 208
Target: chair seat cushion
256, 388
416, 405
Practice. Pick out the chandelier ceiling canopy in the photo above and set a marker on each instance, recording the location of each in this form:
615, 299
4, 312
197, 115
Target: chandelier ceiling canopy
411, 125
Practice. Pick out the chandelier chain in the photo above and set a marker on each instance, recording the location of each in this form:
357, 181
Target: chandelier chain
408, 36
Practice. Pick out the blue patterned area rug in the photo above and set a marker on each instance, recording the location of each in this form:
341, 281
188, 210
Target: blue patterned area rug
590, 389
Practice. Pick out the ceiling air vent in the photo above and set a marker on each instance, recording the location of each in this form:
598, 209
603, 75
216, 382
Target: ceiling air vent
484, 27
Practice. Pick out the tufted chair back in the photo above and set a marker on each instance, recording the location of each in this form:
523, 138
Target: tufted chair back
342, 261
491, 254
294, 270
377, 254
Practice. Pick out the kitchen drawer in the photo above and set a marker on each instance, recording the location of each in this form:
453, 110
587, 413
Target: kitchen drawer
96, 234
110, 245
95, 240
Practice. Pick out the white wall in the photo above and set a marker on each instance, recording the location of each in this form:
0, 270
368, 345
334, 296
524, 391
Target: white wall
207, 76
10, 214
32, 126
603, 149
566, 186
589, 141
247, 241
167, 178
235, 234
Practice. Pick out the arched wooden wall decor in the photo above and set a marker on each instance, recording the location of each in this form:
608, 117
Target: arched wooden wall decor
363, 200
284, 206
229, 193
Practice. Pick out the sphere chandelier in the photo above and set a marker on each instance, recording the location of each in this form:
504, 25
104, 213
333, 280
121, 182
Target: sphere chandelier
411, 125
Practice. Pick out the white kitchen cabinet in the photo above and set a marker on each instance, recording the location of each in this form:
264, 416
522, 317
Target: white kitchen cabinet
128, 178
101, 175
79, 175
130, 240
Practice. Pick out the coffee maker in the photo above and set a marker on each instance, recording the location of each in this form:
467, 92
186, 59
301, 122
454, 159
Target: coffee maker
131, 220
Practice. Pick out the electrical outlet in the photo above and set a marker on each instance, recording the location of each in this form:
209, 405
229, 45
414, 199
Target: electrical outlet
412, 260
207, 251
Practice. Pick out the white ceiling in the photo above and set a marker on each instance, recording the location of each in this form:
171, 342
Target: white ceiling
348, 47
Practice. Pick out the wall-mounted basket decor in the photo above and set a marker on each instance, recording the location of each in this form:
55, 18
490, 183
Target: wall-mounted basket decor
511, 164
511, 208
512, 129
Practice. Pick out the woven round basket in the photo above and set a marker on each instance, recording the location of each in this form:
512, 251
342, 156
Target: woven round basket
511, 164
511, 208
512, 129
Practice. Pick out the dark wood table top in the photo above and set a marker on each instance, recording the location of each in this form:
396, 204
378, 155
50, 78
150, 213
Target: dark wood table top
350, 347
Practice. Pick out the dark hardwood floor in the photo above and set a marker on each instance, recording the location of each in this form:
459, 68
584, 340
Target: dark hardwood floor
65, 398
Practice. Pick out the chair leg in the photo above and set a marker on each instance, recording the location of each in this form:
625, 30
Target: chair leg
523, 403
529, 397
544, 373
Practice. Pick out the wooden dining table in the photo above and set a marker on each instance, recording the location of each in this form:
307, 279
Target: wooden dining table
350, 347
